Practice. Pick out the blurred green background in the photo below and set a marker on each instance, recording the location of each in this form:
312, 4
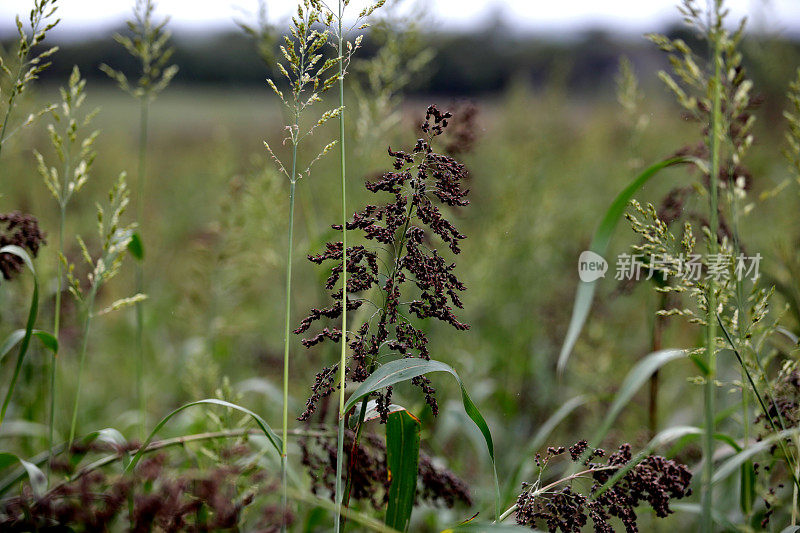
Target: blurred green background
553, 148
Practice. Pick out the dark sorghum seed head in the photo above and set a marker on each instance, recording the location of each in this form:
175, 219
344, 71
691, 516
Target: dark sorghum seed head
370, 478
414, 280
20, 230
655, 481
462, 133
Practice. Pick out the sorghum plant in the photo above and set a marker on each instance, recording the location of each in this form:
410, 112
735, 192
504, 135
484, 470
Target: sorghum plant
149, 44
115, 237
16, 77
560, 505
75, 156
413, 280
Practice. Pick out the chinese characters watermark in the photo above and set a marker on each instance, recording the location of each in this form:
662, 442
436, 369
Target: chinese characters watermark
691, 267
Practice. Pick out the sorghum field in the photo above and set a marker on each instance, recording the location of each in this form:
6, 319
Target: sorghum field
568, 307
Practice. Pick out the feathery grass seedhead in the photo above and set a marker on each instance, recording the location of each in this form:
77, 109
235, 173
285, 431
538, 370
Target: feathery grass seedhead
792, 150
16, 77
308, 75
417, 278
149, 43
692, 85
264, 34
75, 152
115, 238
398, 64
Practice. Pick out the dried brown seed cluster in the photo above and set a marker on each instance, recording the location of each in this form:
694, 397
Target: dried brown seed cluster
415, 278
19, 230
462, 132
369, 474
192, 501
655, 481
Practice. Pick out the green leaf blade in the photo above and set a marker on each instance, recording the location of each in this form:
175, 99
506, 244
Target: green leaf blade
402, 459
407, 369
602, 237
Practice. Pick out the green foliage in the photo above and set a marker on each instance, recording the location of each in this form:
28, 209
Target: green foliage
217, 263
402, 459
599, 245
28, 332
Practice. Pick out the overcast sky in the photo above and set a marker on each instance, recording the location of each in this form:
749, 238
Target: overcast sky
634, 16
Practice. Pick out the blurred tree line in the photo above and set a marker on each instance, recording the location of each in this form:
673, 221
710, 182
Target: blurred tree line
474, 63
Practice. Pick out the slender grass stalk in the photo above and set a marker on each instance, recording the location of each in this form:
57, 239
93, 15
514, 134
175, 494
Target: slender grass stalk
56, 329
301, 54
795, 488
288, 329
343, 359
142, 175
709, 389
115, 237
76, 154
11, 103
82, 364
150, 46
742, 320
57, 310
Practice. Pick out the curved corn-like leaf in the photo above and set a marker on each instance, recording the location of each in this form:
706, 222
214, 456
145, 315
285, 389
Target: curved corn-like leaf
271, 436
734, 463
48, 341
32, 313
36, 477
407, 369
599, 245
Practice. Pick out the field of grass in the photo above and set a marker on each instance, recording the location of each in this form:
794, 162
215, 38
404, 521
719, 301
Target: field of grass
544, 167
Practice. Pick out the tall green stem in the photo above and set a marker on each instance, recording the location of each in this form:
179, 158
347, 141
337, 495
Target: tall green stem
84, 343
56, 328
343, 359
11, 102
143, 127
795, 488
711, 297
287, 329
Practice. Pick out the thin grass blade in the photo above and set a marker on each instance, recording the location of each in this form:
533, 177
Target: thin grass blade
271, 436
599, 245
